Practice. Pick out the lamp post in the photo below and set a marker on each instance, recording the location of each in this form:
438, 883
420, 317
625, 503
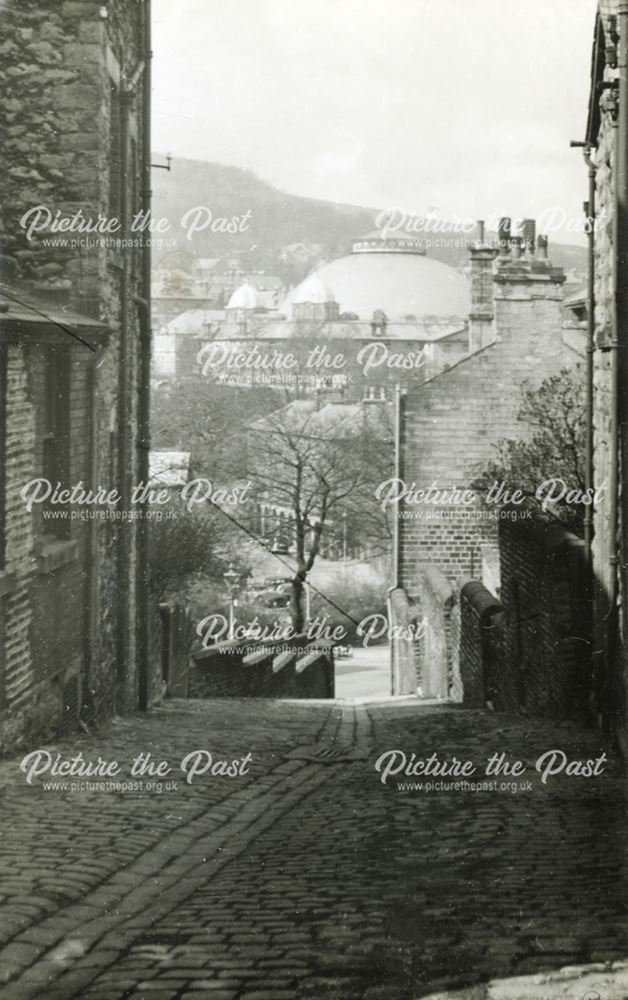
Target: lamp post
231, 580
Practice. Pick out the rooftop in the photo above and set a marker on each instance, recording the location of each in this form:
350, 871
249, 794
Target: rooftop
385, 276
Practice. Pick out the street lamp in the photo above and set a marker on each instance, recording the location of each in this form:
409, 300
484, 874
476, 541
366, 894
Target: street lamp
231, 580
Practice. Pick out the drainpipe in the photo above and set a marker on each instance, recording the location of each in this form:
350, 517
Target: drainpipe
590, 215
143, 430
589, 444
92, 568
589, 472
588, 460
396, 575
397, 475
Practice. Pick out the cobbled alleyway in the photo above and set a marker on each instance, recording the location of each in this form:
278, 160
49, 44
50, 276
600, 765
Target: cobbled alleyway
307, 877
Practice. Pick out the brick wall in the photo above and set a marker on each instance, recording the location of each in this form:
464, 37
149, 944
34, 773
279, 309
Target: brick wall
546, 665
478, 646
451, 424
527, 652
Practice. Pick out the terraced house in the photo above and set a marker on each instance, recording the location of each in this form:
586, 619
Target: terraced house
74, 362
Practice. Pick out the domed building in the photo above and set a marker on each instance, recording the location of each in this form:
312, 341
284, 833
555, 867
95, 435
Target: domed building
383, 315
313, 299
244, 297
313, 289
390, 276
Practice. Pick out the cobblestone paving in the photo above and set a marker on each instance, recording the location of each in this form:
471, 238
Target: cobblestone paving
310, 879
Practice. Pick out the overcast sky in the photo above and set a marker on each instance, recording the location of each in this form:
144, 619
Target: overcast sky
462, 107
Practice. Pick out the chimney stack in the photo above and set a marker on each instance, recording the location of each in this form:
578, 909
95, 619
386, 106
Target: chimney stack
482, 259
542, 247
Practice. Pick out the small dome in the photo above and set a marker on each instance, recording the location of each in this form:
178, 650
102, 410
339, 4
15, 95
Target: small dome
313, 289
244, 297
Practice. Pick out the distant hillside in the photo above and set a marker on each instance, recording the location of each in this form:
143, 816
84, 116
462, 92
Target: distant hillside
278, 221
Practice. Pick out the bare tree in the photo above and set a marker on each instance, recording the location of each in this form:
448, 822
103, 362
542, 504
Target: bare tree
318, 463
554, 416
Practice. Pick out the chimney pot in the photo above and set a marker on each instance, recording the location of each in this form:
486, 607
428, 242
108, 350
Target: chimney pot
529, 235
481, 230
503, 234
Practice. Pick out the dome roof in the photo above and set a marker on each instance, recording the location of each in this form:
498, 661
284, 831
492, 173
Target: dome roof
399, 283
313, 289
244, 297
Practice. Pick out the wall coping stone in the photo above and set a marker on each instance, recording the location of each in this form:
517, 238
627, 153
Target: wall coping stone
437, 582
479, 597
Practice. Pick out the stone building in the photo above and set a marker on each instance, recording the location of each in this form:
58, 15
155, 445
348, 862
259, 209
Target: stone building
74, 362
605, 148
447, 432
382, 315
450, 425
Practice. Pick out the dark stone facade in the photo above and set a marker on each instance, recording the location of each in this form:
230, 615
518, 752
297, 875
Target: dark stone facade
72, 126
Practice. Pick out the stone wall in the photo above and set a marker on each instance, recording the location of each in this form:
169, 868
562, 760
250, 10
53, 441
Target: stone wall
402, 615
67, 599
609, 642
435, 598
293, 669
